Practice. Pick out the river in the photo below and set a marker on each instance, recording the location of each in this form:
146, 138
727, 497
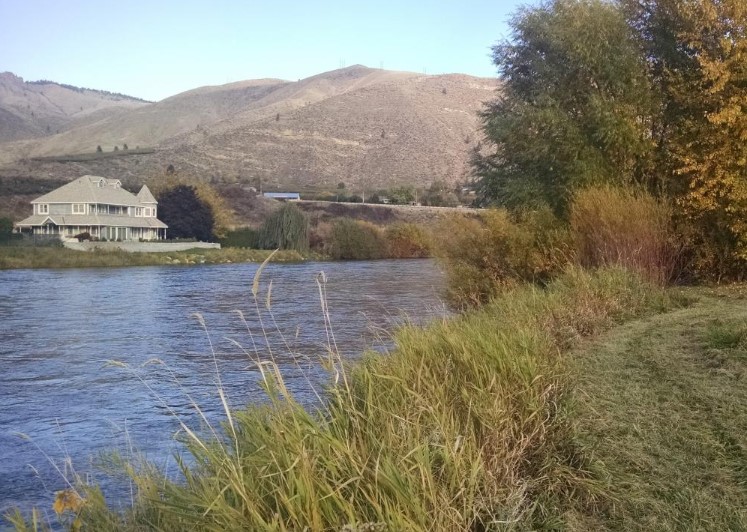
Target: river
96, 360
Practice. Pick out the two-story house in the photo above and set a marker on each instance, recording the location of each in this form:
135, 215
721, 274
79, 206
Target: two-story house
98, 206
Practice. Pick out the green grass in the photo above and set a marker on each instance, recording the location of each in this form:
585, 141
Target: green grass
41, 257
598, 403
663, 403
465, 425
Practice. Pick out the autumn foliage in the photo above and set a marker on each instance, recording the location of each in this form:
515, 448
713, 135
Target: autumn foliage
638, 93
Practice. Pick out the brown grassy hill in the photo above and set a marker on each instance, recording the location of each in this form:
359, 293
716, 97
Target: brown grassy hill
368, 128
401, 129
42, 108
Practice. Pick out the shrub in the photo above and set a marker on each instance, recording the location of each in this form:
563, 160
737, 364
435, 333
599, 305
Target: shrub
484, 256
406, 241
624, 227
356, 240
286, 228
83, 236
243, 237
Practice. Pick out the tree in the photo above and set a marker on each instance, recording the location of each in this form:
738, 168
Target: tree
340, 185
696, 51
573, 109
186, 215
6, 229
98, 149
286, 228
116, 148
402, 195
124, 147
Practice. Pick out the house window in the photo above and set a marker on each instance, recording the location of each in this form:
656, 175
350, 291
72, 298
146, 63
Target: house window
79, 208
154, 212
138, 211
147, 211
43, 208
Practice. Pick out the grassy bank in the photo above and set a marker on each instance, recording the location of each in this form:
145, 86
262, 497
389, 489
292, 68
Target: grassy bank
467, 424
56, 257
663, 403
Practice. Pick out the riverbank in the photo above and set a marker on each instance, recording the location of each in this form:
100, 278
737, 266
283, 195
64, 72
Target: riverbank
57, 257
599, 403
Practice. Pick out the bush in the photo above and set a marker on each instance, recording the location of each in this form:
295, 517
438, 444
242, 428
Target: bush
244, 237
83, 236
484, 256
616, 226
286, 228
406, 241
356, 240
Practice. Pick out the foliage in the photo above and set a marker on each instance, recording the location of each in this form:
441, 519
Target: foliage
407, 241
185, 213
439, 194
569, 112
403, 195
697, 53
286, 228
356, 240
243, 237
616, 226
484, 256
465, 424
6, 229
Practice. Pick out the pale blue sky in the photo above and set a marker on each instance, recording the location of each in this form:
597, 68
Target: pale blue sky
156, 49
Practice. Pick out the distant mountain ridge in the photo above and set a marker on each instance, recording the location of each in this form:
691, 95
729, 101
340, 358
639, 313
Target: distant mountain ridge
367, 128
34, 109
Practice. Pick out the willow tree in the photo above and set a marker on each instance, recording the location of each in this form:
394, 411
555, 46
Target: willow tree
286, 228
574, 107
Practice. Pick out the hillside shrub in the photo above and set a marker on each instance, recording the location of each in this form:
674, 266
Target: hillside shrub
617, 226
407, 241
356, 240
484, 256
286, 228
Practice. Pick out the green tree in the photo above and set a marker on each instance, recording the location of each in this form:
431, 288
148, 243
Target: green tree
573, 108
6, 229
402, 195
185, 213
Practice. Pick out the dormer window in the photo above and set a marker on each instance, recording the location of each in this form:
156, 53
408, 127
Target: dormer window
138, 211
43, 208
79, 208
147, 211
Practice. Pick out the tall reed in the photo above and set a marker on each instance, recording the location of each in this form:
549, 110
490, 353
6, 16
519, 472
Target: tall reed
463, 426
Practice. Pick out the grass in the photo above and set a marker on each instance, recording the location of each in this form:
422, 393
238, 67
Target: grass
597, 403
45, 257
465, 425
663, 403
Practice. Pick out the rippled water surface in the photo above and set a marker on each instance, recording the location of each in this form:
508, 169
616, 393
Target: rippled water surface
59, 330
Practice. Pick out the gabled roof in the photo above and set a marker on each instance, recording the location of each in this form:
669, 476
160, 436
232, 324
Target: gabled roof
144, 196
91, 189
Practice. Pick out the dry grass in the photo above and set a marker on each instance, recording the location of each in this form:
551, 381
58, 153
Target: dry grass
615, 226
465, 425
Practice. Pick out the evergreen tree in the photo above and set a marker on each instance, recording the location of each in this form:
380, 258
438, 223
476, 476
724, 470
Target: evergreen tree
186, 215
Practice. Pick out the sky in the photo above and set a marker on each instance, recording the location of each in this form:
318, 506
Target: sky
158, 48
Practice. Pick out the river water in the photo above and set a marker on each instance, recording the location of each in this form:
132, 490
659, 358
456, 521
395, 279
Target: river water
96, 360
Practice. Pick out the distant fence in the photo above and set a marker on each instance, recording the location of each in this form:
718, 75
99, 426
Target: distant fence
141, 247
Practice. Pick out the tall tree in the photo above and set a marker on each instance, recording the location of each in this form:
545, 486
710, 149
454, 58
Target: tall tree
697, 56
185, 213
574, 107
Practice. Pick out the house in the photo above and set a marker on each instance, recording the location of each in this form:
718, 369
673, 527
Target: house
283, 196
98, 206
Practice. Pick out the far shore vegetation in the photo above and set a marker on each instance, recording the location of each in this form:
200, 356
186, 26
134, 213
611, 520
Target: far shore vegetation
593, 378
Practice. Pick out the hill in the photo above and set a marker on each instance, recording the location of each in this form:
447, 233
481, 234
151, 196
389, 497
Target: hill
368, 128
30, 110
